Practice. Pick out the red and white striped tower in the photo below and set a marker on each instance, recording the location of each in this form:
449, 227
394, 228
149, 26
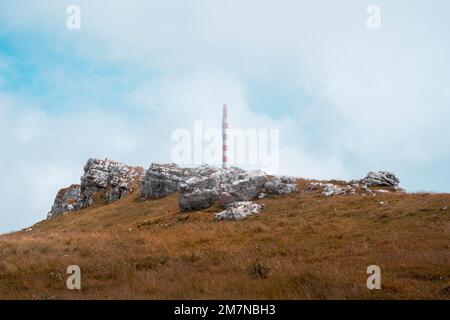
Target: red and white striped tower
225, 137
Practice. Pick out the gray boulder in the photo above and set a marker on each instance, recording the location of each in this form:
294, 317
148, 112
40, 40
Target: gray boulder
249, 187
280, 185
239, 210
380, 178
244, 189
163, 179
113, 178
198, 199
67, 199
205, 186
209, 183
108, 179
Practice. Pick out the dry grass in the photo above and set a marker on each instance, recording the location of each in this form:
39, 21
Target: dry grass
302, 246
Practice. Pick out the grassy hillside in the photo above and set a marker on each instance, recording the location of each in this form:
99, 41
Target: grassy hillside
302, 246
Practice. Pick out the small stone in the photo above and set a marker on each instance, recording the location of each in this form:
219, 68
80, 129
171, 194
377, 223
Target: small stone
330, 189
239, 210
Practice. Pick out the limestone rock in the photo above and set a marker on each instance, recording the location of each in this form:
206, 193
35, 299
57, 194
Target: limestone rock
198, 199
280, 185
334, 190
111, 180
249, 187
208, 183
163, 179
114, 178
244, 189
205, 186
239, 210
67, 199
330, 189
380, 178
362, 186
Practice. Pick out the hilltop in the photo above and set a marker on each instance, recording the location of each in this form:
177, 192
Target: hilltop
313, 242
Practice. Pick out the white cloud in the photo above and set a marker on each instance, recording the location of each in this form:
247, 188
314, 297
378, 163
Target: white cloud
47, 151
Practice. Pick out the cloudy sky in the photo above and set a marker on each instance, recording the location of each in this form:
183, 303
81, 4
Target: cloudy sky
346, 99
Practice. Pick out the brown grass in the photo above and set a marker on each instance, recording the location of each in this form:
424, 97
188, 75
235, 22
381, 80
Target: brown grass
302, 246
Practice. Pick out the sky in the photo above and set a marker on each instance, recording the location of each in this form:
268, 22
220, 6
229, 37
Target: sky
346, 99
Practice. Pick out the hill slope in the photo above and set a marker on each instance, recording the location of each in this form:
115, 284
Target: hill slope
302, 246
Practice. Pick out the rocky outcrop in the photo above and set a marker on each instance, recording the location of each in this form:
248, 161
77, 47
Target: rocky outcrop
379, 179
163, 179
362, 186
244, 189
113, 178
209, 183
67, 199
105, 180
331, 189
239, 210
205, 186
280, 185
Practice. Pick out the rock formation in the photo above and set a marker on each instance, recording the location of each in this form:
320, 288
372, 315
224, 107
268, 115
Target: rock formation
109, 180
67, 199
280, 185
205, 186
244, 189
239, 210
202, 186
163, 179
114, 178
209, 183
105, 181
380, 178
330, 189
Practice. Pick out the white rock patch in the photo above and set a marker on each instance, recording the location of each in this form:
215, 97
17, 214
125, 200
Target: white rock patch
239, 210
